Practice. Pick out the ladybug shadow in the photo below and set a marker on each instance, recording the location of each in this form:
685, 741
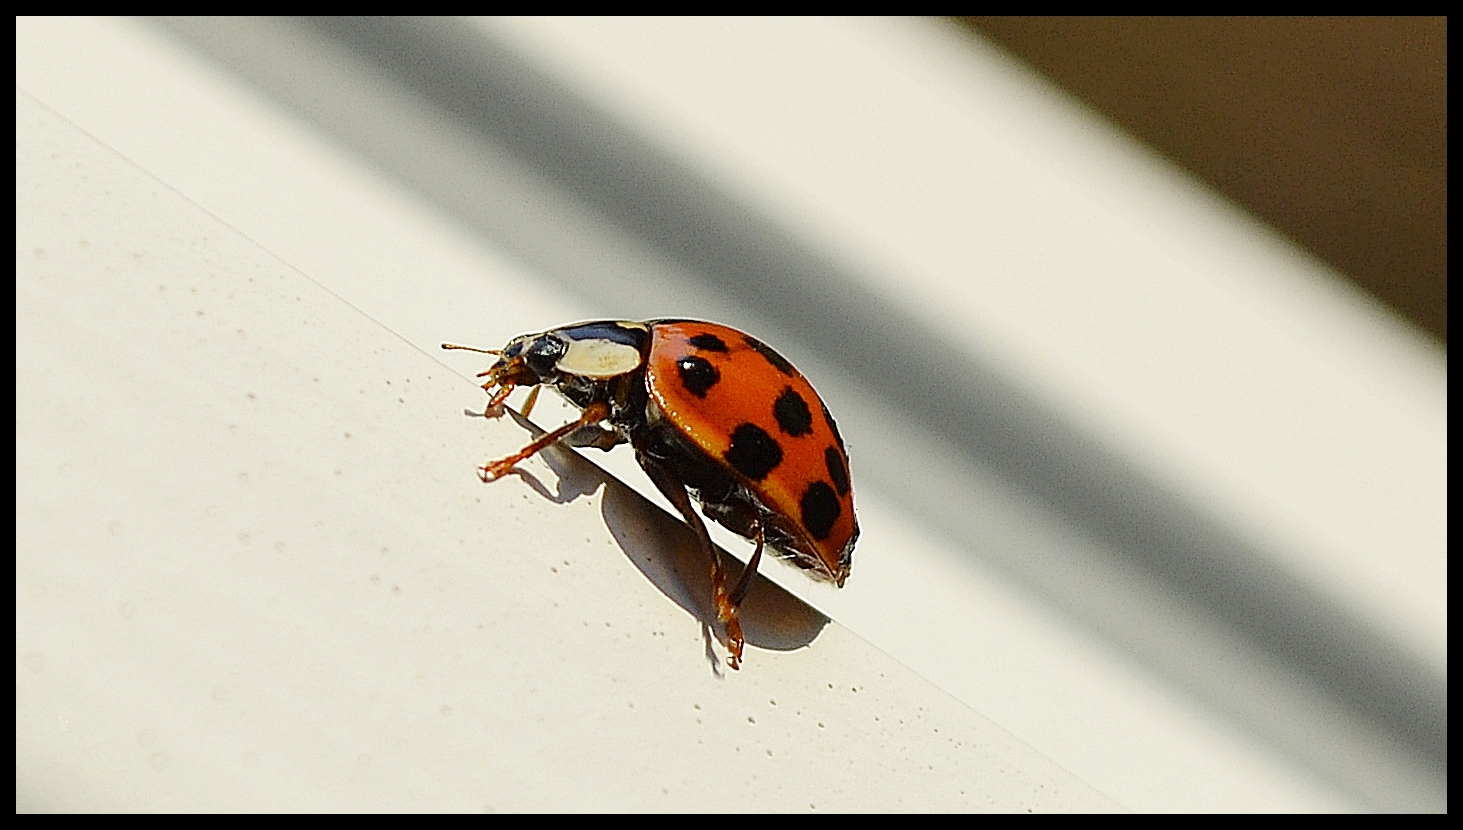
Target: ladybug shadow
669, 555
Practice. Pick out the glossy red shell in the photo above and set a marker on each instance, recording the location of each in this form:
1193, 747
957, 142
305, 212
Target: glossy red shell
743, 404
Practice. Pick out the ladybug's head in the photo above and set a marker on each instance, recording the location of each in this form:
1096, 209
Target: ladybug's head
593, 351
527, 360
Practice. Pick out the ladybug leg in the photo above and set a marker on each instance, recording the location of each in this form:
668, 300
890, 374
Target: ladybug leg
740, 592
726, 610
494, 409
595, 436
530, 401
593, 414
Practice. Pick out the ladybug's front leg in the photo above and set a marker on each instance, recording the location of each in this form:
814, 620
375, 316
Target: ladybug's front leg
499, 399
726, 607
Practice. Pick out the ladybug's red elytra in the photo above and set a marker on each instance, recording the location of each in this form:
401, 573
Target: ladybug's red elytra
712, 413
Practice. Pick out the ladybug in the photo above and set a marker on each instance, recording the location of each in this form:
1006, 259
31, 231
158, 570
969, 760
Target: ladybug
713, 414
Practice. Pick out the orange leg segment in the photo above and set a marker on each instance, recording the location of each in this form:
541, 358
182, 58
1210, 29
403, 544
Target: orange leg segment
593, 414
494, 409
726, 603
739, 593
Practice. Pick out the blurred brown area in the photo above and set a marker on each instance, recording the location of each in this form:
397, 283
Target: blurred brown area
1334, 130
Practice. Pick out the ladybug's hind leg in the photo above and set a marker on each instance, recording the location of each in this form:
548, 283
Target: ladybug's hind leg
740, 592
671, 486
743, 518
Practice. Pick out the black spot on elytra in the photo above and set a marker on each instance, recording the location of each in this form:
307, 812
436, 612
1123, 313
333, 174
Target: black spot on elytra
836, 470
753, 452
778, 361
820, 509
832, 427
708, 343
792, 414
697, 375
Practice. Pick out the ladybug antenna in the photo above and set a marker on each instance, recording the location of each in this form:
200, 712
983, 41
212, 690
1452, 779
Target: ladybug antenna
451, 346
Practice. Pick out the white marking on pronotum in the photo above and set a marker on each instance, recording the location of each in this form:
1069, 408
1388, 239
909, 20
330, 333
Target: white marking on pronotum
596, 358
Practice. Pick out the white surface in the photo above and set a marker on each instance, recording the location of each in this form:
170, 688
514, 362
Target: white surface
1058, 688
1266, 379
255, 571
